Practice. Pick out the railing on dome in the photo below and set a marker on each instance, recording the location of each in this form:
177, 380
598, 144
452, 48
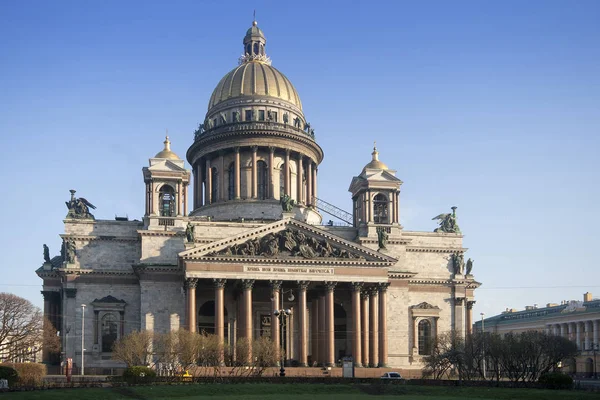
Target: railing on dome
249, 125
332, 210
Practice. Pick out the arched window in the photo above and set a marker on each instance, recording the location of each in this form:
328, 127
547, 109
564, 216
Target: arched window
424, 337
215, 184
255, 48
380, 209
282, 181
109, 332
167, 201
263, 179
231, 185
248, 48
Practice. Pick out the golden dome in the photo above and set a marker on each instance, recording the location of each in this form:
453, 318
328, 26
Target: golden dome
375, 163
166, 152
255, 78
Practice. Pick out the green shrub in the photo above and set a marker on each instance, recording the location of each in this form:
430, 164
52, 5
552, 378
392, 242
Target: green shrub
139, 374
556, 380
10, 374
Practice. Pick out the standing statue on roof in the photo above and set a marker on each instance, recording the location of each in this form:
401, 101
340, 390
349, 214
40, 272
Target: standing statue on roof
448, 223
382, 237
469, 266
46, 254
189, 232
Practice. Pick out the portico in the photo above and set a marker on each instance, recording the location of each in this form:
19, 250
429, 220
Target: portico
326, 277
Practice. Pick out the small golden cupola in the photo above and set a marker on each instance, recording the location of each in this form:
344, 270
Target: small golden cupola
166, 152
375, 163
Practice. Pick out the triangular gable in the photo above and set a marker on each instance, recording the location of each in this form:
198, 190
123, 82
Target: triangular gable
378, 177
166, 165
287, 239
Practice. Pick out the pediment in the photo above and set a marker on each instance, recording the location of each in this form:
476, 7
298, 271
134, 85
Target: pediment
108, 299
166, 165
374, 178
288, 240
424, 306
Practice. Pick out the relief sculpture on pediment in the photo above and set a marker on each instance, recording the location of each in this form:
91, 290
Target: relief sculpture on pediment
287, 243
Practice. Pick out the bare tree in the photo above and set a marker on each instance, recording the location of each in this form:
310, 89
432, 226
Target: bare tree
134, 349
22, 326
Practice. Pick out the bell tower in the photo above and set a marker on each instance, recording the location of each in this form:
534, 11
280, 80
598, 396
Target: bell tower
376, 199
167, 183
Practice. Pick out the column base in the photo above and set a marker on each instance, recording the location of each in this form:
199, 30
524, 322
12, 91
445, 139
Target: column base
372, 365
303, 364
330, 364
357, 365
382, 365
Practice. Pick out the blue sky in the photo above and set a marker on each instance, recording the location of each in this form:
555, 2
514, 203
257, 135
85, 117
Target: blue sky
489, 106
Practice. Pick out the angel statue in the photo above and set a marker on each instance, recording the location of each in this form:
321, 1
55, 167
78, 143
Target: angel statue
469, 266
79, 208
447, 222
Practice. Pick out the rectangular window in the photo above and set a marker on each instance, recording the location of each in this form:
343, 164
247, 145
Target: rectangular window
248, 115
261, 115
273, 116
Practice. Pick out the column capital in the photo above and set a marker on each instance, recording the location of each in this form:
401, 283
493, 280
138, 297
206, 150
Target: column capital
247, 284
383, 286
219, 283
373, 290
357, 286
459, 301
470, 304
236, 149
287, 152
254, 149
70, 292
271, 149
275, 285
329, 286
303, 285
191, 283
364, 294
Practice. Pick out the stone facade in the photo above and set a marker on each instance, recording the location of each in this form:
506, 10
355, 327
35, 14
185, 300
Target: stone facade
578, 321
370, 290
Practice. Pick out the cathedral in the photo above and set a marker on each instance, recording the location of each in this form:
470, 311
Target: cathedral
237, 247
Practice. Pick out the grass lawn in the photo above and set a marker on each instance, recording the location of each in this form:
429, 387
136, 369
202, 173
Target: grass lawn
299, 392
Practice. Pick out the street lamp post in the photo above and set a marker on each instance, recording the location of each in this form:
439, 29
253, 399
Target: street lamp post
282, 314
483, 344
82, 337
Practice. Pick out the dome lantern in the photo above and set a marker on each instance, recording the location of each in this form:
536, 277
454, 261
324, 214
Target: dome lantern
254, 46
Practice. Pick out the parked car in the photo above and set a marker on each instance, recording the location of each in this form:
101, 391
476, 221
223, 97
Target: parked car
391, 375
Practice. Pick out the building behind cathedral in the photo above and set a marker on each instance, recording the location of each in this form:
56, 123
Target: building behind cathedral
222, 246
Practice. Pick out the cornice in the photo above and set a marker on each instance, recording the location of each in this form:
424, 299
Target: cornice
89, 238
401, 274
161, 233
293, 261
426, 249
94, 272
401, 241
431, 281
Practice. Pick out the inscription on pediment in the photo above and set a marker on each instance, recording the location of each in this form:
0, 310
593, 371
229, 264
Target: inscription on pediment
287, 243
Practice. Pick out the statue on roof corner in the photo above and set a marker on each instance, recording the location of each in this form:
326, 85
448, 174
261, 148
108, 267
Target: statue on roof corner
287, 203
79, 208
448, 223
469, 266
382, 237
46, 254
189, 232
458, 263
